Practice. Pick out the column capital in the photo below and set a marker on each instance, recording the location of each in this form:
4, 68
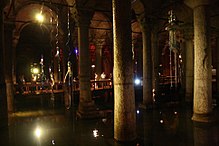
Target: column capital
195, 3
145, 22
99, 42
82, 16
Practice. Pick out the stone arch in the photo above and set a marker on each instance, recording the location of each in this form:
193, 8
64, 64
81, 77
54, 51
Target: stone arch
101, 37
34, 41
24, 20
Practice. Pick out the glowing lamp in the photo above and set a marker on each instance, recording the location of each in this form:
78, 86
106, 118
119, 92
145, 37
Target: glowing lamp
39, 17
137, 81
35, 70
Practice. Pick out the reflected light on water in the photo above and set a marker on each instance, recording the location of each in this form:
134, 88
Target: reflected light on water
53, 142
38, 132
95, 133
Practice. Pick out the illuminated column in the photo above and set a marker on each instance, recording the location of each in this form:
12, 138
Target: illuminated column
124, 99
3, 97
8, 28
14, 44
217, 66
204, 135
56, 69
147, 63
189, 64
86, 107
202, 104
155, 59
98, 64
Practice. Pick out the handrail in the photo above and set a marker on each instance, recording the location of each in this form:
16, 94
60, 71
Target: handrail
38, 87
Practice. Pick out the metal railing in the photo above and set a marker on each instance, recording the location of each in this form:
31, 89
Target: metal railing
39, 87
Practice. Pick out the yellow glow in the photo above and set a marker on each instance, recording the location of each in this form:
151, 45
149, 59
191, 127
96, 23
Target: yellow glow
38, 132
35, 70
39, 17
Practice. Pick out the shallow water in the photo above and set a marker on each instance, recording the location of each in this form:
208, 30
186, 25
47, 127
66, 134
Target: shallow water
167, 124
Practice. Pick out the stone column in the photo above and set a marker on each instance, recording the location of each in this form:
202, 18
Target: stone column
8, 29
155, 60
147, 63
176, 71
217, 68
124, 99
204, 134
56, 70
189, 64
98, 61
15, 41
202, 105
3, 97
86, 107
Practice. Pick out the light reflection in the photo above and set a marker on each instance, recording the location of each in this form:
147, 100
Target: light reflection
38, 132
161, 121
95, 133
137, 111
175, 113
53, 142
104, 120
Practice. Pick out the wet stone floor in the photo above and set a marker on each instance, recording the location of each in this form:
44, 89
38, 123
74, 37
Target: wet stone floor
167, 124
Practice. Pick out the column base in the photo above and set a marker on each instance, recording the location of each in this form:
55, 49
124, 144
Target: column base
205, 118
87, 110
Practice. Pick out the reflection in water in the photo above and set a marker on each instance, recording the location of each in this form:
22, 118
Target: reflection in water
95, 133
162, 126
205, 134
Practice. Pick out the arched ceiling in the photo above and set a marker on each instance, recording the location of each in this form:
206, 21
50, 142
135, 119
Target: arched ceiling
22, 10
100, 28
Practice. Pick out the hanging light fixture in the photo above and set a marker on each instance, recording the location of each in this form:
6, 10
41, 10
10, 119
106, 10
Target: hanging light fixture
172, 28
39, 16
172, 31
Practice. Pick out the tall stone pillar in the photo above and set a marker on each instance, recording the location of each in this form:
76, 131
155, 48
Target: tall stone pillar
147, 63
98, 63
204, 134
189, 64
8, 29
155, 60
202, 105
86, 107
3, 96
15, 41
217, 68
124, 99
56, 69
